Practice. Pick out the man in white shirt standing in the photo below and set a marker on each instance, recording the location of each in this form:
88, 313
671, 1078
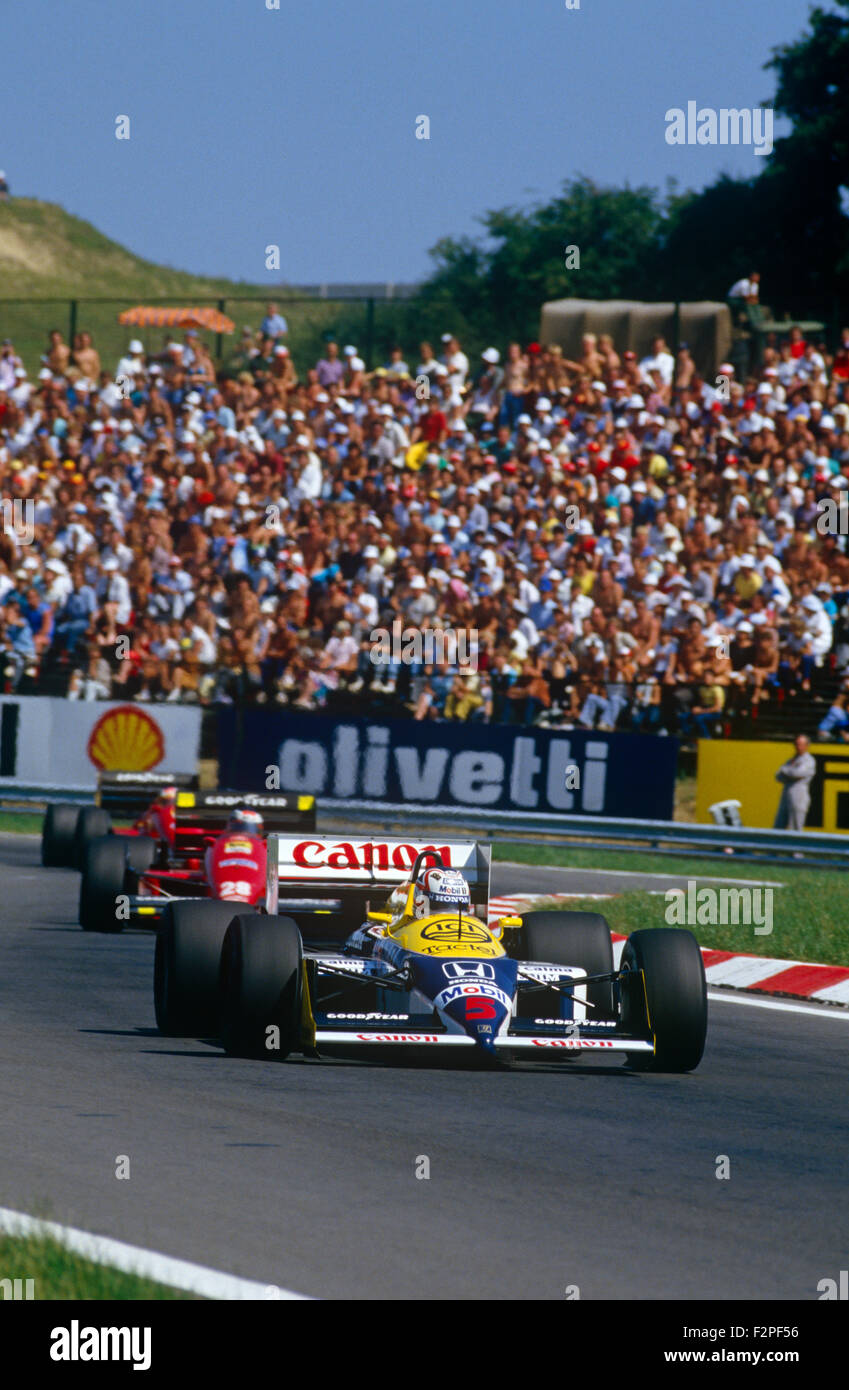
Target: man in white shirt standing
114, 588
660, 360
458, 369
747, 288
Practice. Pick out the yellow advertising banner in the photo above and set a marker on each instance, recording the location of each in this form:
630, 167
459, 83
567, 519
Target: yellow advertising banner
745, 772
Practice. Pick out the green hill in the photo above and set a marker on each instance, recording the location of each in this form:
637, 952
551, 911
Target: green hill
46, 252
49, 258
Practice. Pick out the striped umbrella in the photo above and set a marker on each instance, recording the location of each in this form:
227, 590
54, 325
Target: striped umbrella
143, 316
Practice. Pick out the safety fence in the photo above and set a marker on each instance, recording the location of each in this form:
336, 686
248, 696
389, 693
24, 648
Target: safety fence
802, 849
372, 322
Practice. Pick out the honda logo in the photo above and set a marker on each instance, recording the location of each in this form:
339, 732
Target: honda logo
463, 970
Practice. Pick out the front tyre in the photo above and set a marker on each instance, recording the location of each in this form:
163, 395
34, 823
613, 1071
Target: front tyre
676, 995
261, 977
186, 968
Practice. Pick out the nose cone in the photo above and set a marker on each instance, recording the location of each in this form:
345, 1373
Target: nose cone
472, 996
479, 1015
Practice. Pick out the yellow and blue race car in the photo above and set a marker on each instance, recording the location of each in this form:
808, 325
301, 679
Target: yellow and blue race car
366, 945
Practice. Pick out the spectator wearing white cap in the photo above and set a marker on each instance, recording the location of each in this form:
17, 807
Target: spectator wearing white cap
818, 627
133, 362
371, 573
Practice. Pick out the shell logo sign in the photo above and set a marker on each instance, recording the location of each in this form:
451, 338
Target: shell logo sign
126, 739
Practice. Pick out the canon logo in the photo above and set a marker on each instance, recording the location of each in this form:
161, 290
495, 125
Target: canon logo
312, 854
397, 1037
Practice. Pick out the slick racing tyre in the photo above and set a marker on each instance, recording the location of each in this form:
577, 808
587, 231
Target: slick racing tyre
261, 987
102, 883
581, 939
92, 824
57, 836
140, 854
676, 995
186, 968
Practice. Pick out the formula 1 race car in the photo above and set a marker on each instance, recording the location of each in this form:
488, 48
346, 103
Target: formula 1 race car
197, 845
425, 970
145, 798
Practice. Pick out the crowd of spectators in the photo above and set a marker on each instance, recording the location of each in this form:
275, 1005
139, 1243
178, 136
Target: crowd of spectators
623, 542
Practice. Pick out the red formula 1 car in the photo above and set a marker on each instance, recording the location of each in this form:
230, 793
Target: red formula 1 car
187, 845
146, 799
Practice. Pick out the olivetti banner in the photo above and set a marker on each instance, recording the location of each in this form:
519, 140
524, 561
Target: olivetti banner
482, 766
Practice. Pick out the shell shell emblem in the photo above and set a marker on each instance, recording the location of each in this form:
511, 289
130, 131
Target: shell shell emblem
126, 739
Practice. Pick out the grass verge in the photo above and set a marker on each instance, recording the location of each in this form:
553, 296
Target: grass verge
28, 823
58, 1273
809, 921
725, 866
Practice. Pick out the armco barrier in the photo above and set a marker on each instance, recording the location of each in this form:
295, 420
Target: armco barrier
661, 837
802, 848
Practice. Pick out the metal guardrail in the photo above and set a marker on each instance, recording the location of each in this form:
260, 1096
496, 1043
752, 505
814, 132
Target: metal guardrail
808, 848
811, 848
36, 797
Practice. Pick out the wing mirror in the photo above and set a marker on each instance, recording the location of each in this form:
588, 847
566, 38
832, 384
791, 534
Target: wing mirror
379, 916
508, 922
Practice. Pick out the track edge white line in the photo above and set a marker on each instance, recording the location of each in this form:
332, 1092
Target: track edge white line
146, 1264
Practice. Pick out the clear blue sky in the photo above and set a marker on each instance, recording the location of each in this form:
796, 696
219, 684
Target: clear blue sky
296, 126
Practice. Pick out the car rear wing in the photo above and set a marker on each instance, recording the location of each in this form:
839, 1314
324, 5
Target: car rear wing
127, 795
200, 814
365, 869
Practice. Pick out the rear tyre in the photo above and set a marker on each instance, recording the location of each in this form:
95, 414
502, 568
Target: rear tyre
186, 969
57, 836
261, 976
102, 883
140, 853
676, 994
573, 938
92, 824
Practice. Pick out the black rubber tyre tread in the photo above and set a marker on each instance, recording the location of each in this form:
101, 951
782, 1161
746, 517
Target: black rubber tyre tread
676, 993
102, 882
261, 965
57, 835
187, 968
581, 939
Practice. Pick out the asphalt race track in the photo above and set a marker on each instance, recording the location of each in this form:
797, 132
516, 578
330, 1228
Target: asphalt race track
302, 1174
